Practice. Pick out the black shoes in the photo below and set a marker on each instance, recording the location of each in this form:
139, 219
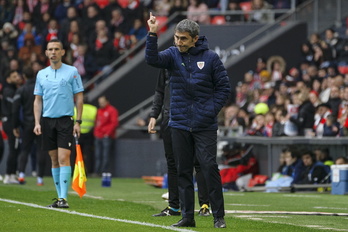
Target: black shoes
62, 203
185, 222
167, 212
219, 223
59, 203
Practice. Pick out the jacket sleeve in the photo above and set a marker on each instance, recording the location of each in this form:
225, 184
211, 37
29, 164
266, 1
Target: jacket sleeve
222, 88
153, 57
157, 103
16, 104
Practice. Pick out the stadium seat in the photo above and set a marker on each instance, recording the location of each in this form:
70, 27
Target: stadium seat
246, 7
218, 20
162, 22
123, 3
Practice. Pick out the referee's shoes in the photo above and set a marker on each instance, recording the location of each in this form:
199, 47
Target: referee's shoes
59, 203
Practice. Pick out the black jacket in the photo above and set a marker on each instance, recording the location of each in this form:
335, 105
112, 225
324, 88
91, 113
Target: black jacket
161, 100
305, 118
7, 101
22, 108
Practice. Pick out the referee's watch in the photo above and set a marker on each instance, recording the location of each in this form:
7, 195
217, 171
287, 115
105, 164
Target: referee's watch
79, 121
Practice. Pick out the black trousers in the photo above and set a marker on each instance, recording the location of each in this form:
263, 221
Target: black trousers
11, 164
29, 139
86, 142
202, 145
172, 171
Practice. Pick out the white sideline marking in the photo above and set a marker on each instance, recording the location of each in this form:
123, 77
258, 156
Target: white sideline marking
96, 216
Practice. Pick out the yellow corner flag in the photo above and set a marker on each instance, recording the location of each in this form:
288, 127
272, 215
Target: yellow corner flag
79, 178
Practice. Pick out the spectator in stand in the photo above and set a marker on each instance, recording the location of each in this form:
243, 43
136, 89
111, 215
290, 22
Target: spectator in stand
89, 23
331, 126
113, 4
118, 22
9, 33
276, 67
6, 12
257, 127
249, 80
60, 12
29, 48
314, 98
178, 6
138, 31
331, 37
280, 119
269, 123
198, 11
326, 89
323, 110
122, 42
233, 5
42, 7
307, 52
20, 6
85, 63
344, 102
65, 25
261, 65
162, 7
261, 12
31, 4
82, 8
134, 10
314, 40
100, 25
104, 134
51, 32
306, 112
27, 17
334, 100
5, 60
41, 26
103, 51
71, 48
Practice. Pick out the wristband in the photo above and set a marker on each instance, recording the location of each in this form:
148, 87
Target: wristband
152, 34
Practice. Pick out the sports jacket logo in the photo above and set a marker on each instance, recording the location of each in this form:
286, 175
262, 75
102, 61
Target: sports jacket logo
200, 64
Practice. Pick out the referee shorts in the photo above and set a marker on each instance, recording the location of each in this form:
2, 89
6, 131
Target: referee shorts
57, 132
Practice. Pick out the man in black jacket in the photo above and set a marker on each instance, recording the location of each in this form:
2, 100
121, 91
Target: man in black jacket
12, 79
23, 117
161, 103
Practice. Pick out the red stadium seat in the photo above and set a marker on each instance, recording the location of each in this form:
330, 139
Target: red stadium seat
123, 3
246, 7
218, 20
162, 21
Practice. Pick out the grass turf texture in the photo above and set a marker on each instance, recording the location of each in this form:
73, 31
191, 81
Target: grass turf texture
131, 199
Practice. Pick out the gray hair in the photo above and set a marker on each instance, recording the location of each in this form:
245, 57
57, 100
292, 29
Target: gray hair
189, 26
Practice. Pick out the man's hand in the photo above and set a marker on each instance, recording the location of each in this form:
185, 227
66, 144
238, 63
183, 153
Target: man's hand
16, 132
153, 23
37, 129
151, 126
77, 130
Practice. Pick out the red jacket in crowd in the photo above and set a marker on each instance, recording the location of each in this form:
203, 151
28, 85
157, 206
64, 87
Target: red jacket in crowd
106, 122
